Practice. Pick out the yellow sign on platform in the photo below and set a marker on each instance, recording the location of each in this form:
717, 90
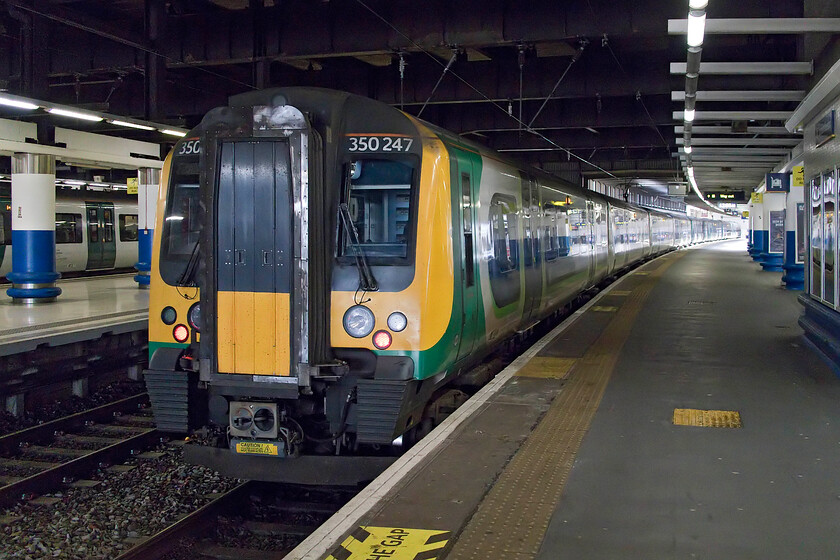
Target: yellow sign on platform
391, 543
757, 198
798, 179
745, 213
131, 183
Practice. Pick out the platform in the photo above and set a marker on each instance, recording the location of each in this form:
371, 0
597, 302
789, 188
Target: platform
86, 309
573, 451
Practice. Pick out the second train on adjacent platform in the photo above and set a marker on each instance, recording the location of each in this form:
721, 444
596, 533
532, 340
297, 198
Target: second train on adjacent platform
94, 232
328, 266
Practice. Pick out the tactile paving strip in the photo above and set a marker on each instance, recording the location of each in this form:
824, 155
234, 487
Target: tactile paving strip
707, 418
527, 492
547, 368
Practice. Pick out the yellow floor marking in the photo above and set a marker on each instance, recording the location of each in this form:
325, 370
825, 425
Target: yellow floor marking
707, 418
391, 543
604, 308
526, 494
642, 272
547, 368
619, 293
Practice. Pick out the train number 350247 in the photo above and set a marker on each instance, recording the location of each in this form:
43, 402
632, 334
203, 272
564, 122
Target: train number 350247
379, 143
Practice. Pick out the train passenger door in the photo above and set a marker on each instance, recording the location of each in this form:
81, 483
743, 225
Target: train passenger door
102, 243
465, 179
254, 256
531, 226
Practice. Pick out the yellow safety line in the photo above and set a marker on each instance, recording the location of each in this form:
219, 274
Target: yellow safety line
527, 492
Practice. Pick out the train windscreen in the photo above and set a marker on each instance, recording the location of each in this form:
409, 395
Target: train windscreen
379, 199
181, 223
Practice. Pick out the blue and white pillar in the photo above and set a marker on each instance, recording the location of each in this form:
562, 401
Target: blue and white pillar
795, 242
148, 186
750, 218
33, 273
759, 242
773, 214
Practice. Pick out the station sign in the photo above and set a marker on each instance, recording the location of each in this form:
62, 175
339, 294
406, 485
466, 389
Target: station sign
824, 129
725, 196
777, 182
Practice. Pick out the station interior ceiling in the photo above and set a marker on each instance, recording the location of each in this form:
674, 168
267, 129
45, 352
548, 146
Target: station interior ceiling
582, 88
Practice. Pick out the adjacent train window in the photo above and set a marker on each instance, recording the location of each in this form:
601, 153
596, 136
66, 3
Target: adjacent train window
181, 226
128, 227
380, 196
108, 220
68, 228
6, 225
503, 224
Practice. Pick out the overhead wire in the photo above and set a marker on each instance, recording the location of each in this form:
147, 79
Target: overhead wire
479, 92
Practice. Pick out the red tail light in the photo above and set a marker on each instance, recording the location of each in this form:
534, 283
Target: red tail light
382, 339
181, 333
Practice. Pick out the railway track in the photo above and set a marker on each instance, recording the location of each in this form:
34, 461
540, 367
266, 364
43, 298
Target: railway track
251, 521
39, 459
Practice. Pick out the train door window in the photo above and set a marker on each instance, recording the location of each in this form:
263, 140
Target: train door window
550, 231
816, 237
108, 224
829, 233
68, 228
6, 225
93, 225
503, 223
466, 207
527, 242
379, 196
128, 227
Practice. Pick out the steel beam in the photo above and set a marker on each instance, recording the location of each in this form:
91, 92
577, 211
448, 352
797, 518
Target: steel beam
748, 68
759, 26
736, 115
743, 95
741, 141
774, 130
736, 151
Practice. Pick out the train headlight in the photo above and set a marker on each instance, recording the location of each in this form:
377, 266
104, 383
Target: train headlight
181, 333
358, 321
397, 321
168, 315
194, 316
382, 340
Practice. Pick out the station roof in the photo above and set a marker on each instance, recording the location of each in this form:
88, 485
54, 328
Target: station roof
593, 88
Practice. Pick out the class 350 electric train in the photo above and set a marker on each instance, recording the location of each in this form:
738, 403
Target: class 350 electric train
328, 268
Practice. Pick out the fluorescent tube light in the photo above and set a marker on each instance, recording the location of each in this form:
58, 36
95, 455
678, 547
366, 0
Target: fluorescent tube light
688, 115
75, 115
74, 182
696, 28
17, 104
687, 149
698, 4
172, 132
132, 125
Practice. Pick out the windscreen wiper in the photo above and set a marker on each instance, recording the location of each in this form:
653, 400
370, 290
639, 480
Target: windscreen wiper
192, 265
366, 279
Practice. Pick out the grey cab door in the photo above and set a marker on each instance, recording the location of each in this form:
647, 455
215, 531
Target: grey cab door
102, 243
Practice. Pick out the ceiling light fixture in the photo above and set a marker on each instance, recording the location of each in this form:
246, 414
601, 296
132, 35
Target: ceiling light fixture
696, 28
132, 125
698, 4
687, 149
688, 115
75, 115
17, 104
172, 132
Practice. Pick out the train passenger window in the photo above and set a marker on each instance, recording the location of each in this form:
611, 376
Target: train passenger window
503, 224
68, 228
379, 196
128, 227
181, 226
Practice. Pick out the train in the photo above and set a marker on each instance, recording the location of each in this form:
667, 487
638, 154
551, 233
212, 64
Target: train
330, 270
95, 232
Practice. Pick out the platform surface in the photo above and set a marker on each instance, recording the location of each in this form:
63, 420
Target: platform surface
573, 451
86, 308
